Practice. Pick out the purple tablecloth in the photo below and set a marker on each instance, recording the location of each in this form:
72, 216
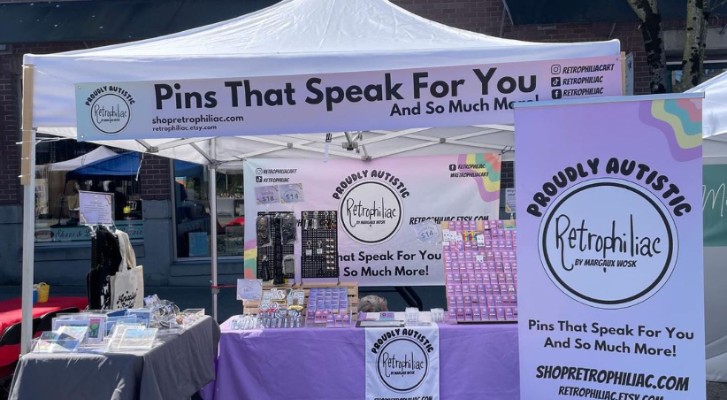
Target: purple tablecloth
476, 362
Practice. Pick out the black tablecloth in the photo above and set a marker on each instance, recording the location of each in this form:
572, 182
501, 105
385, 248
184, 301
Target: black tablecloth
175, 369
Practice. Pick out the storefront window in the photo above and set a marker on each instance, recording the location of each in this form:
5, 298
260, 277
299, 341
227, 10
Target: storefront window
712, 68
65, 168
191, 204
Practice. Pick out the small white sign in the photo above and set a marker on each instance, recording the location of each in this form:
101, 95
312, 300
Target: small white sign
95, 207
249, 289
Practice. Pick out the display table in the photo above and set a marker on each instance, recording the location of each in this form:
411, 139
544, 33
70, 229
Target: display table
11, 313
476, 362
175, 369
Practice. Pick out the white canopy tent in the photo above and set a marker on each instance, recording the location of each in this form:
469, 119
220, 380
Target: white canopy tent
293, 37
714, 114
98, 154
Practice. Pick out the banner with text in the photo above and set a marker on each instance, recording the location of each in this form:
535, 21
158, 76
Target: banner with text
611, 291
714, 205
395, 99
402, 363
374, 222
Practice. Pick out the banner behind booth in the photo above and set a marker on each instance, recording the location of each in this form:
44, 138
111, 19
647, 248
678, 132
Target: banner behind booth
611, 290
387, 211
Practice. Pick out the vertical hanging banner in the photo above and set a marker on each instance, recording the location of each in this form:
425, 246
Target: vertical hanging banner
374, 222
611, 291
714, 205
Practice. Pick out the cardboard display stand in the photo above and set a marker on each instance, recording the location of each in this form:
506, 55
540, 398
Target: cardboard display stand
251, 307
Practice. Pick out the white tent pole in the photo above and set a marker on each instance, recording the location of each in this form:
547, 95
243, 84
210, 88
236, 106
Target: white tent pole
27, 179
213, 224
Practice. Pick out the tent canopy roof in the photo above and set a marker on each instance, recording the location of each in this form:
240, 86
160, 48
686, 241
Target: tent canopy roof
98, 154
125, 164
311, 28
293, 37
714, 115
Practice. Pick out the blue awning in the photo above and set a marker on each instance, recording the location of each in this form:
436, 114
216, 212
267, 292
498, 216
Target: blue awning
127, 164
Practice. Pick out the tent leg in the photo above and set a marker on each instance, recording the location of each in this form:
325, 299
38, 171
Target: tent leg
27, 179
213, 226
28, 265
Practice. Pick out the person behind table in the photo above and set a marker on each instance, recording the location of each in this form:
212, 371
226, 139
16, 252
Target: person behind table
372, 303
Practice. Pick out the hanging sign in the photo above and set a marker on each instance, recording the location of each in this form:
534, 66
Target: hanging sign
95, 207
389, 99
611, 290
714, 205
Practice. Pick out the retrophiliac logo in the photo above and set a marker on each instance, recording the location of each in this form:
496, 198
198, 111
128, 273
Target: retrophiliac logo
615, 257
110, 108
402, 359
371, 212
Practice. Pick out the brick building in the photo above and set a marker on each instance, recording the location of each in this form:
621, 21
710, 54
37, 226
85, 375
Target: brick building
67, 25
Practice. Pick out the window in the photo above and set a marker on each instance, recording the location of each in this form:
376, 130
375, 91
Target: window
674, 73
65, 167
191, 205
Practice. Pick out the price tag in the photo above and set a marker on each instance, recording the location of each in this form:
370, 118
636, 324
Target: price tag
480, 240
446, 235
267, 195
291, 193
249, 289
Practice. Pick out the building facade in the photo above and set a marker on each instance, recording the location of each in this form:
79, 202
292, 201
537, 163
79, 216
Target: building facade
164, 201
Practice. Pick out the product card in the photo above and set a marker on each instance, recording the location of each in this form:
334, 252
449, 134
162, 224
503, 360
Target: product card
249, 289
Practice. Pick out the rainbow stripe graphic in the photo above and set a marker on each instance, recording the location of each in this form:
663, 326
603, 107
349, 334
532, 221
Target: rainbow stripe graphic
488, 185
680, 120
250, 259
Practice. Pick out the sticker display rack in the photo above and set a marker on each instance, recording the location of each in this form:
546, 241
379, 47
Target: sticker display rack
481, 270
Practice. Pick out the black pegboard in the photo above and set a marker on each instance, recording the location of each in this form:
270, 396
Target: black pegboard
271, 251
319, 244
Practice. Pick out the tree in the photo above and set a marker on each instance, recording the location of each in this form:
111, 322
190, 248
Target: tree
698, 12
696, 37
648, 14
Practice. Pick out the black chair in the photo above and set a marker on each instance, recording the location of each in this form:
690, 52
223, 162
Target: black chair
11, 335
45, 322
